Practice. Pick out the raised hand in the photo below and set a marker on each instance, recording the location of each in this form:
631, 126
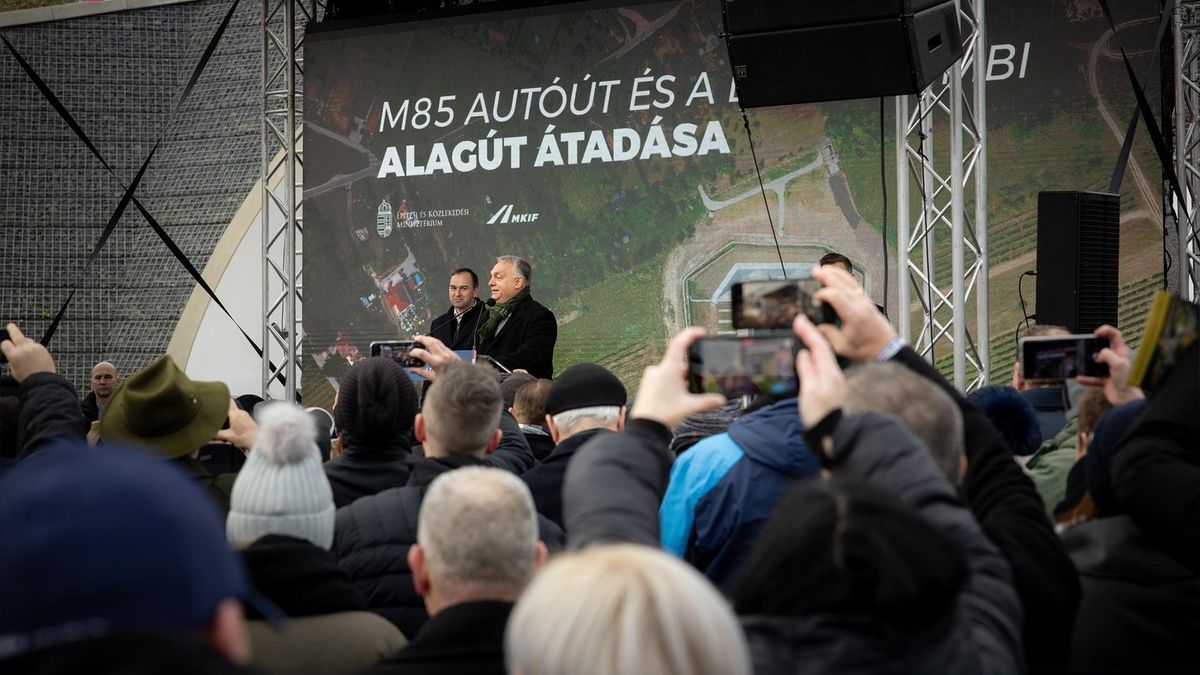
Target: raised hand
663, 395
822, 383
242, 428
864, 331
1116, 355
25, 356
435, 355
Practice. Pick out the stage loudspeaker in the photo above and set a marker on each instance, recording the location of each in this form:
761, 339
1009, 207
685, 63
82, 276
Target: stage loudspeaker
813, 50
1078, 253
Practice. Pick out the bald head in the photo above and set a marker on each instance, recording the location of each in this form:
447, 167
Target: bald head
104, 381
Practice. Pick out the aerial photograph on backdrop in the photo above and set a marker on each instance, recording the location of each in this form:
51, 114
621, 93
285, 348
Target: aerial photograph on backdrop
605, 144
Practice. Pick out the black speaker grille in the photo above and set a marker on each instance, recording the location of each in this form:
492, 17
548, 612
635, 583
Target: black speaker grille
1078, 256
1099, 258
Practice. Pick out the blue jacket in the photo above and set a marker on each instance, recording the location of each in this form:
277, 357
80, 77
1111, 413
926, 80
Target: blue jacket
724, 488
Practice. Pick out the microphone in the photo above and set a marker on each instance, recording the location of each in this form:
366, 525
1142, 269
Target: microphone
449, 318
491, 302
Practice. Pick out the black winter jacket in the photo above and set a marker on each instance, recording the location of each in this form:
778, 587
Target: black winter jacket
983, 636
463, 639
457, 334
372, 537
366, 470
302, 579
1140, 608
1008, 508
49, 410
546, 481
1156, 471
526, 340
633, 467
90, 407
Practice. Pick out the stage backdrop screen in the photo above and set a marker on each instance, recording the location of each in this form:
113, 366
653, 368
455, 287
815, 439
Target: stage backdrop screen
604, 144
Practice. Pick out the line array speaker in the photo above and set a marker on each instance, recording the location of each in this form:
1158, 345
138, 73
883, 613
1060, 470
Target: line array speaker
812, 50
1078, 252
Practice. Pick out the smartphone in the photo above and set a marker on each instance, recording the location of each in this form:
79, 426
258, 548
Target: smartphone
774, 303
398, 351
3, 337
737, 366
1061, 357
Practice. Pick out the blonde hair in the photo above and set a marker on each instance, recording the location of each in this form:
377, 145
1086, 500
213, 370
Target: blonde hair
620, 609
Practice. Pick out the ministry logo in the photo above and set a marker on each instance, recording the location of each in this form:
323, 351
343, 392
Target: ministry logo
505, 215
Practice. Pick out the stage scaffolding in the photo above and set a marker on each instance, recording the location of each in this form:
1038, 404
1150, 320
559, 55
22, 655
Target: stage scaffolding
951, 112
283, 24
1187, 146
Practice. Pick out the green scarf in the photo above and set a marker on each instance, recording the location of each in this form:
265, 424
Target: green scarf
498, 313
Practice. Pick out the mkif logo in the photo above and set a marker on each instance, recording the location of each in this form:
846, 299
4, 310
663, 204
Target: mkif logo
505, 215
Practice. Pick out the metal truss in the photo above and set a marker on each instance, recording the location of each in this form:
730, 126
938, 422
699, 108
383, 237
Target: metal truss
1187, 146
953, 112
282, 219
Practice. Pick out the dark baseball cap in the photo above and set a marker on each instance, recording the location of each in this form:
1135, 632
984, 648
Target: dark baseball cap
114, 537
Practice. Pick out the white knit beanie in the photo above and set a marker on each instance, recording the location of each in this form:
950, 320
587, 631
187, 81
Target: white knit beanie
282, 488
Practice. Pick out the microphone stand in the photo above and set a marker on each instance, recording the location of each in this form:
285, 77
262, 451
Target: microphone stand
450, 318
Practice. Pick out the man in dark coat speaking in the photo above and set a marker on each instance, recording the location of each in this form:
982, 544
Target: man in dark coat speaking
518, 332
456, 328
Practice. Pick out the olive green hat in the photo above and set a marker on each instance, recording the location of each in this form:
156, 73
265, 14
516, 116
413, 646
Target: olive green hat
162, 409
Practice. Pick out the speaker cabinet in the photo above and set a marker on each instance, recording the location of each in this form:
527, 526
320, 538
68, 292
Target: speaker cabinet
1078, 254
808, 51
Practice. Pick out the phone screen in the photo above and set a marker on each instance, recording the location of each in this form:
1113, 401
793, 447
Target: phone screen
774, 303
397, 350
1062, 357
744, 366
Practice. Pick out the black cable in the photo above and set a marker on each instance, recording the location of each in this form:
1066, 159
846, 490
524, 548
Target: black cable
929, 281
762, 186
1021, 294
883, 225
1017, 338
1027, 318
725, 35
1168, 260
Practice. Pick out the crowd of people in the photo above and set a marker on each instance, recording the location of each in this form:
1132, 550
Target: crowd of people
878, 521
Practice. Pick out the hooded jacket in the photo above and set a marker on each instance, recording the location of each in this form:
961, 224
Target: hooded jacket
724, 488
